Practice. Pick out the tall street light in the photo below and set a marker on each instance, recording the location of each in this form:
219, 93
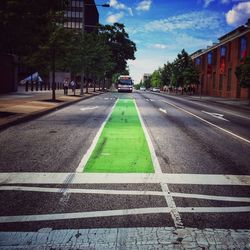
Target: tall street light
106, 5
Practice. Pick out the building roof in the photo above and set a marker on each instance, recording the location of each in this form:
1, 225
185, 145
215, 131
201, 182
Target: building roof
239, 31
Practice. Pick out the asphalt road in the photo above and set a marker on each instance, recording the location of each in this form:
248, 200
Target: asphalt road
190, 139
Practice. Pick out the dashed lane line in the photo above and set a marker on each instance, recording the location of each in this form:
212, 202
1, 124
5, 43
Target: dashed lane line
209, 123
163, 110
88, 108
122, 192
91, 178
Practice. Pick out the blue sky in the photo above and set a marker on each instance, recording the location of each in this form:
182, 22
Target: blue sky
162, 28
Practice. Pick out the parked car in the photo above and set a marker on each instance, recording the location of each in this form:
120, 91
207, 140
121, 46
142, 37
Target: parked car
156, 89
143, 88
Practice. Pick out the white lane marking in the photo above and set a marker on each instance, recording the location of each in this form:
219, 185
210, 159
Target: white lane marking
123, 192
152, 100
163, 110
122, 212
171, 204
216, 115
86, 157
150, 144
80, 191
214, 209
211, 197
169, 199
209, 123
88, 108
91, 178
95, 214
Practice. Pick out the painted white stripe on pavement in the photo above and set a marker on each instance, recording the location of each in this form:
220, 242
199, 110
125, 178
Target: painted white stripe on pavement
123, 192
209, 123
86, 157
80, 191
163, 110
88, 108
211, 197
79, 215
214, 209
169, 199
156, 164
91, 178
216, 115
122, 212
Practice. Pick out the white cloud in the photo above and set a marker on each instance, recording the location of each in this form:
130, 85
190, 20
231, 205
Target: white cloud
120, 6
144, 5
158, 46
198, 20
207, 3
190, 42
238, 14
113, 18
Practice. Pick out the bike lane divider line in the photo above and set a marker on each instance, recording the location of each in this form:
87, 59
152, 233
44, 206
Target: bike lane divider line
167, 194
85, 158
209, 123
122, 146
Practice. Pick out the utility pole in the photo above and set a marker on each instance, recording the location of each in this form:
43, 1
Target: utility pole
83, 30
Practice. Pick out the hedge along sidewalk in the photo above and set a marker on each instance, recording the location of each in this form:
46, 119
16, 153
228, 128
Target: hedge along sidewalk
122, 146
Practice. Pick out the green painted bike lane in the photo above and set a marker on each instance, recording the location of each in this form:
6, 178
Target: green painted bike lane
122, 146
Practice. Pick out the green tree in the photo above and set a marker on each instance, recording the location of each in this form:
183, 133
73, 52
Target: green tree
26, 24
156, 78
242, 73
121, 46
179, 65
53, 54
166, 73
191, 74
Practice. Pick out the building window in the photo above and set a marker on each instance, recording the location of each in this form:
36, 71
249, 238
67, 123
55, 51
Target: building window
223, 52
229, 80
243, 47
209, 58
209, 63
197, 61
229, 51
214, 56
214, 80
221, 82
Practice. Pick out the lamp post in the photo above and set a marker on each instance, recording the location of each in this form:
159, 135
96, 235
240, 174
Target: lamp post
83, 31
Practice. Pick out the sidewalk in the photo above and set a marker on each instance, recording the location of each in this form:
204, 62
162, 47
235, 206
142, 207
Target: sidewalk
23, 106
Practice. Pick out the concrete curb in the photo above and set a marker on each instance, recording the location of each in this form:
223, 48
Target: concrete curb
37, 114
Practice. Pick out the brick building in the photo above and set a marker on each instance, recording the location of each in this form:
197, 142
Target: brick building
218, 62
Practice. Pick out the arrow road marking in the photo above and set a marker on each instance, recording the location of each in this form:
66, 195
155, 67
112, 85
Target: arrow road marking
163, 110
209, 123
216, 115
88, 108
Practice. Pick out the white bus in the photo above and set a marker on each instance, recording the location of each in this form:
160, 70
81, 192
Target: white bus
125, 84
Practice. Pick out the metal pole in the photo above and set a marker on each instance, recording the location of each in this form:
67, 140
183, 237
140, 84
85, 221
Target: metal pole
83, 30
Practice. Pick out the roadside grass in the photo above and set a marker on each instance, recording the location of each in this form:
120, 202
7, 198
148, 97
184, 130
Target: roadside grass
122, 146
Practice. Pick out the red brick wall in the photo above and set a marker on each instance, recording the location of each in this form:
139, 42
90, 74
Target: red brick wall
219, 85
